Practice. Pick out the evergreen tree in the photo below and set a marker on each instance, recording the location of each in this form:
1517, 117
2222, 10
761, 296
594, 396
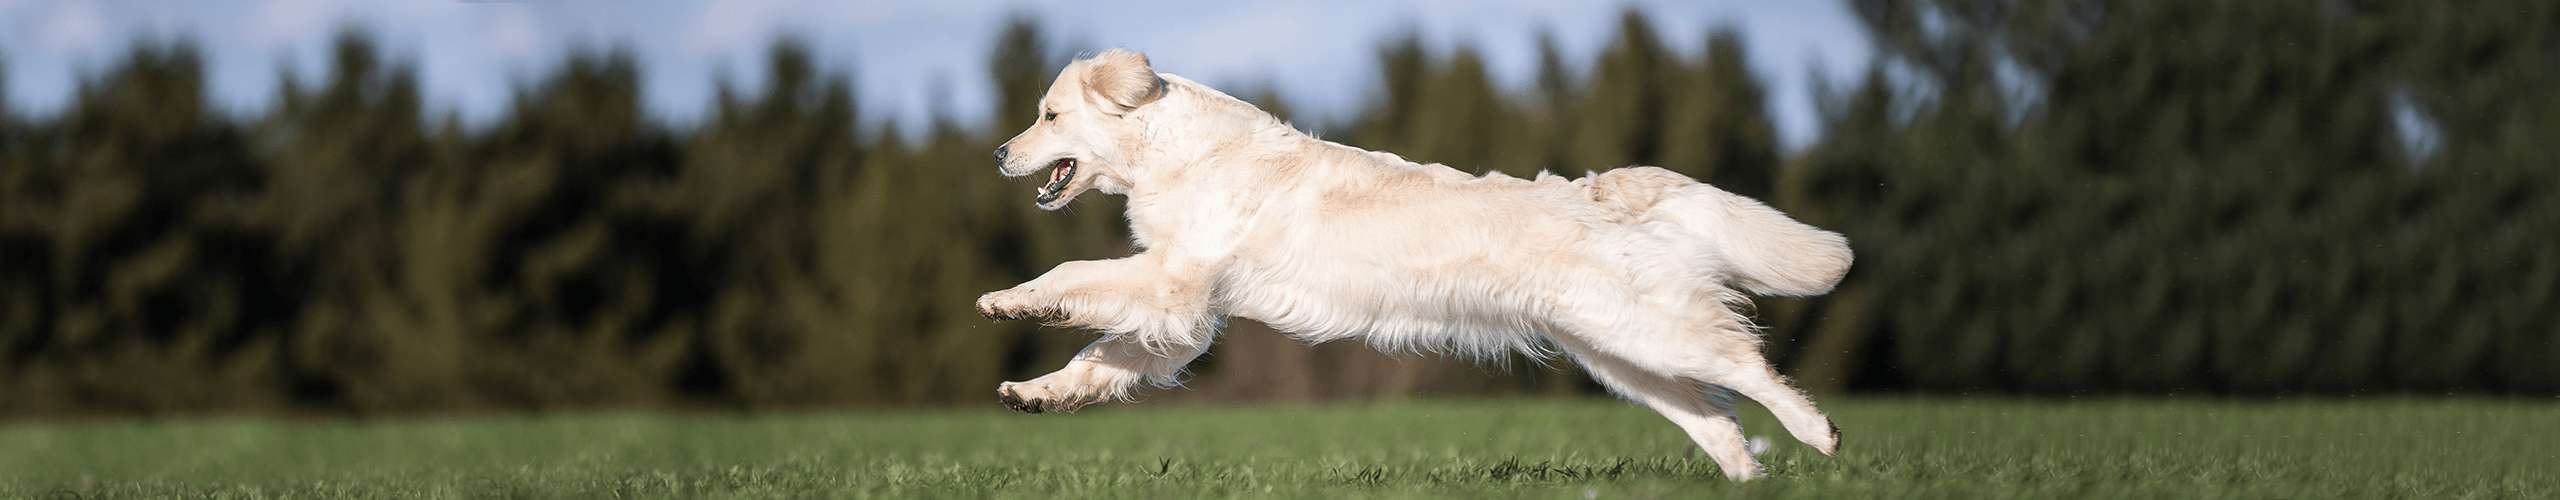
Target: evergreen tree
753, 183
151, 294
584, 305
1403, 75
1720, 130
2168, 203
1557, 96
1621, 118
340, 157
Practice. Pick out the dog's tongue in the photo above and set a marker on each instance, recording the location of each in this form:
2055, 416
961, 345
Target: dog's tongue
1056, 173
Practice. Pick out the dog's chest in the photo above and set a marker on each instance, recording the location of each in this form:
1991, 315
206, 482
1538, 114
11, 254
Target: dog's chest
1199, 226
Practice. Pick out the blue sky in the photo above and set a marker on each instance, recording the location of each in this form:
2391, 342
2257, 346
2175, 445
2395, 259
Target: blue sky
908, 58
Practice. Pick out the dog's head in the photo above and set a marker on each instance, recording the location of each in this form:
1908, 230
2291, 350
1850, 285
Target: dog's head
1083, 126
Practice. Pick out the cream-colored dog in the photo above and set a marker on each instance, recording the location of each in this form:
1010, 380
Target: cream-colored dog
1633, 272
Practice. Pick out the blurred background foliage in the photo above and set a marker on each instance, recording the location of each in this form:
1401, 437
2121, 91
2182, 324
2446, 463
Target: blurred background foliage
2046, 197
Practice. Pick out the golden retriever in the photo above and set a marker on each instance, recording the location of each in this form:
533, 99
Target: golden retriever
1634, 273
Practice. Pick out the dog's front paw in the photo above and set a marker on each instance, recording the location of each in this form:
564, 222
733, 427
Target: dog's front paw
1007, 305
1036, 397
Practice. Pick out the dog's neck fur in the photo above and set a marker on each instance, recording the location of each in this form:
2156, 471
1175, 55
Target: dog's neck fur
1225, 153
1233, 137
1176, 145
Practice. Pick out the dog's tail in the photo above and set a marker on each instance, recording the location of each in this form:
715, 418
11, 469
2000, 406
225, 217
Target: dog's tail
1761, 249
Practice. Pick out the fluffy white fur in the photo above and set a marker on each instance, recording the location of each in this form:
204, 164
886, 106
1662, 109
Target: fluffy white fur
1633, 272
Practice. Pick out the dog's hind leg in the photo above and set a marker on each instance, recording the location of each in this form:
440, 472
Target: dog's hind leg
1704, 412
1108, 369
1709, 344
1793, 409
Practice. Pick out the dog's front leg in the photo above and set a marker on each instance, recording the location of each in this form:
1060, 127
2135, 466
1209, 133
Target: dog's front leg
1154, 319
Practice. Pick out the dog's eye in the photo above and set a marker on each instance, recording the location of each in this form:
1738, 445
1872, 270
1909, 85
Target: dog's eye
1049, 116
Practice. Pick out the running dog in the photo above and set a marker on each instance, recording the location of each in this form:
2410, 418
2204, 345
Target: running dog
1635, 273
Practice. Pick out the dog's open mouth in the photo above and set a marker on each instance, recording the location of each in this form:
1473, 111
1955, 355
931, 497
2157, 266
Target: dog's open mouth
1061, 172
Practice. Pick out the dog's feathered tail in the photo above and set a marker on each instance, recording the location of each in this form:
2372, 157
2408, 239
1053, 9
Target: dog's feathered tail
1761, 249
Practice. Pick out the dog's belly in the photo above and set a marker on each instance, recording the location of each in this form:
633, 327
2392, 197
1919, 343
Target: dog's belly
1394, 311
1416, 292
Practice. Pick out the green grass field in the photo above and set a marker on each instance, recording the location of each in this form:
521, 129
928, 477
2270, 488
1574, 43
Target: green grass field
1473, 449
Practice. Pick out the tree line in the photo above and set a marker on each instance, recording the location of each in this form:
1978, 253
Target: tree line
2046, 197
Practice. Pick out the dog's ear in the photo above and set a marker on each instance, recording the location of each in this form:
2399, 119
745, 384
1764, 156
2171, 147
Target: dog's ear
1121, 80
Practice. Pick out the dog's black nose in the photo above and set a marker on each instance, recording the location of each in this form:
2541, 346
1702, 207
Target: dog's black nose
1001, 150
